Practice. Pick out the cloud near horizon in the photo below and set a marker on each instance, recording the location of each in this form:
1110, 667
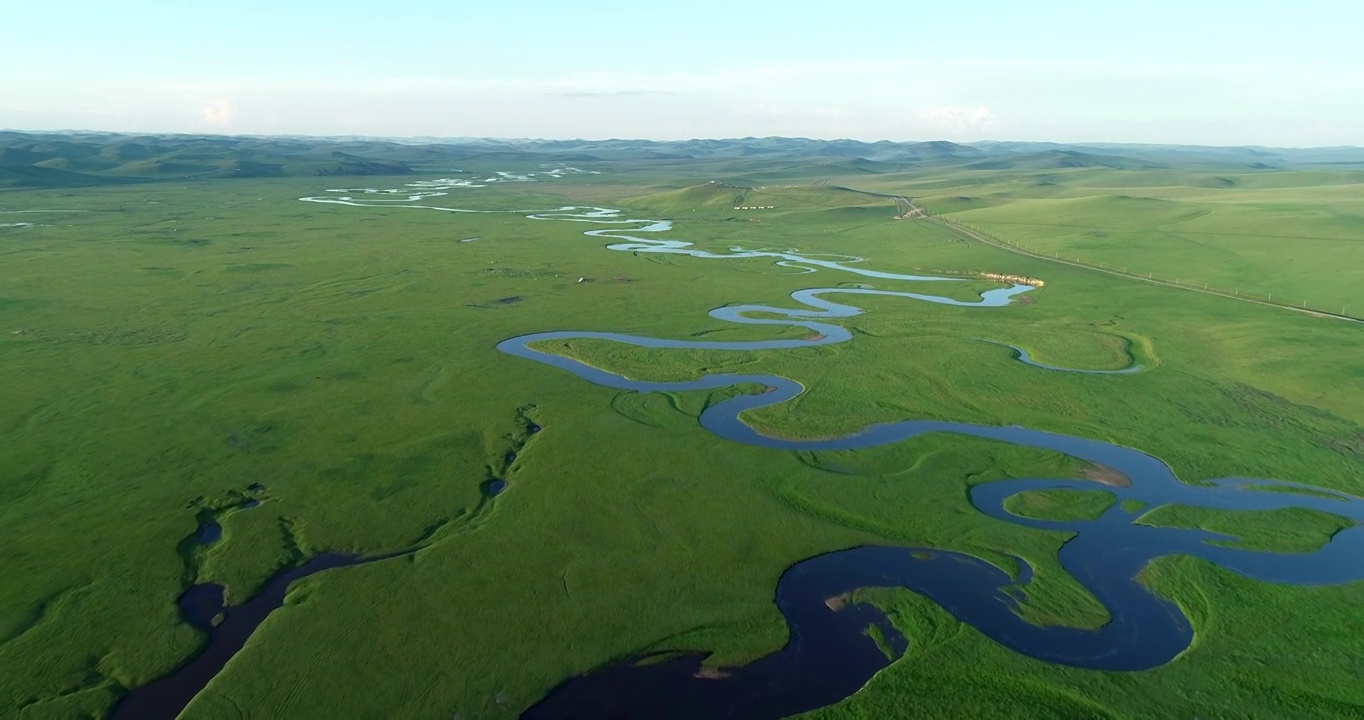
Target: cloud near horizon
959, 120
893, 99
217, 113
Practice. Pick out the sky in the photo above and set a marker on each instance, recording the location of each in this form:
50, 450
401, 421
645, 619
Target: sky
1192, 72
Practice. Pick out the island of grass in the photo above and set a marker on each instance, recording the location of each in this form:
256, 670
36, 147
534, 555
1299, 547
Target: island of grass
1062, 505
1291, 530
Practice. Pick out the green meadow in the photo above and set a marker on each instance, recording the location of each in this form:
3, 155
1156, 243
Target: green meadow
1290, 236
169, 349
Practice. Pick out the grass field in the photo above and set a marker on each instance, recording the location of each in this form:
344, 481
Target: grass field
1290, 236
164, 347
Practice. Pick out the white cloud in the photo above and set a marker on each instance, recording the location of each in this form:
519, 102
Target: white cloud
217, 113
956, 120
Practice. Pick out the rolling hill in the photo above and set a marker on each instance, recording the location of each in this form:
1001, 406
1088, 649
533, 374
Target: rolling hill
90, 158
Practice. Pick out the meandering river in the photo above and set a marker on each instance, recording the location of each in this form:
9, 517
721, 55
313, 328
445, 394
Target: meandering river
829, 655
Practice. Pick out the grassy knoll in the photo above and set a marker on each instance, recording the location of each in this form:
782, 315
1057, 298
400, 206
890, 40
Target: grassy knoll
161, 352
1063, 505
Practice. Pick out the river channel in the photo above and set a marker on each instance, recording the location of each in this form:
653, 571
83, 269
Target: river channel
830, 654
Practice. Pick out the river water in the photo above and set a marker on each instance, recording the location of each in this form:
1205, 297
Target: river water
830, 654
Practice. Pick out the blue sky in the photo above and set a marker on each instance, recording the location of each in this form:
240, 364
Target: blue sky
1197, 71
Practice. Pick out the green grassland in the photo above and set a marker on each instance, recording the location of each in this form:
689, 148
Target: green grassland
1292, 236
165, 346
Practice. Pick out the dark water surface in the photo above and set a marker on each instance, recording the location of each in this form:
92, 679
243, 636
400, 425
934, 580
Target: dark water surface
828, 658
201, 605
208, 533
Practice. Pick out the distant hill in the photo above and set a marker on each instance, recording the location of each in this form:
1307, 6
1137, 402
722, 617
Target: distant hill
1060, 159
91, 158
67, 160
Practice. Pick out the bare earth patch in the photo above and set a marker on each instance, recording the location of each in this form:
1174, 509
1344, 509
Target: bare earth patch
1104, 475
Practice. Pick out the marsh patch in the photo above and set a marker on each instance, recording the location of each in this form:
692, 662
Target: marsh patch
494, 487
208, 533
500, 302
249, 441
11, 305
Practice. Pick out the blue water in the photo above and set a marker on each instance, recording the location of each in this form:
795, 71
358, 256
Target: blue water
208, 533
829, 657
1022, 356
1105, 556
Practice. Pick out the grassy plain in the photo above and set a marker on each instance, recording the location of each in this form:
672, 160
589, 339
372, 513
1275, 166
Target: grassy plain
1293, 236
164, 347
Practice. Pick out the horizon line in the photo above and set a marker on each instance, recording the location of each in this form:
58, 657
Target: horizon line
488, 138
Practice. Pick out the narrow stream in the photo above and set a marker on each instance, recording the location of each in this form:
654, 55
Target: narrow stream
201, 604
